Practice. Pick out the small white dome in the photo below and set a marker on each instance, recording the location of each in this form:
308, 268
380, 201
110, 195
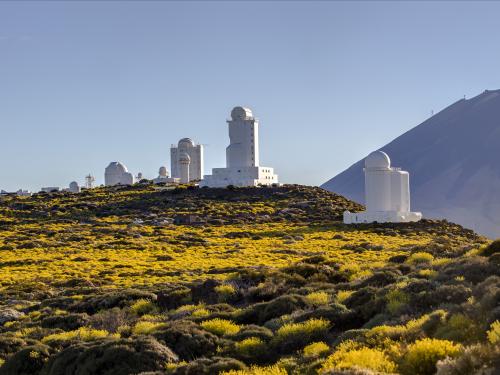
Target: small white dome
241, 113
163, 172
378, 160
73, 184
184, 157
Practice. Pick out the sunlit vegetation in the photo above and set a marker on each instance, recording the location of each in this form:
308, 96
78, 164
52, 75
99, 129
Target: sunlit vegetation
268, 281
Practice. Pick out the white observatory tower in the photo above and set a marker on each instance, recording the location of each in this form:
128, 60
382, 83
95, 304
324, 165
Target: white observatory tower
242, 155
188, 155
387, 193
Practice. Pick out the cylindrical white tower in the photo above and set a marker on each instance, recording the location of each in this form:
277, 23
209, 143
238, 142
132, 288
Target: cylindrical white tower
378, 182
184, 161
243, 150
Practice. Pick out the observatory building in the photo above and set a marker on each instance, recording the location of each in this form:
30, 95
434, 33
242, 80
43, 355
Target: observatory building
117, 174
74, 187
242, 155
186, 161
163, 177
387, 193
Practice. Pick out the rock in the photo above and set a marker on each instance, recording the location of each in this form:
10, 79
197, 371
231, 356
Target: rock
9, 315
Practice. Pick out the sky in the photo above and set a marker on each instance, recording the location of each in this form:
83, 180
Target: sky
84, 83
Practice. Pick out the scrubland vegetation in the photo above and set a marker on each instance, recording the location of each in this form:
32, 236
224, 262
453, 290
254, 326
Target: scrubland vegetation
268, 281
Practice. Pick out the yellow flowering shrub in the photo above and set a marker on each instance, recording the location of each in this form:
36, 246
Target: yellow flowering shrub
220, 326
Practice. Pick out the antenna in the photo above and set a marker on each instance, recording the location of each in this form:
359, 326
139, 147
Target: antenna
89, 181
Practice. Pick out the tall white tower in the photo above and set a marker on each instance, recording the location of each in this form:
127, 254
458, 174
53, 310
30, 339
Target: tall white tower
89, 181
387, 193
184, 161
242, 155
194, 151
243, 149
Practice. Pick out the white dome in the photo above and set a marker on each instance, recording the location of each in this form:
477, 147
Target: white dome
378, 160
184, 157
163, 172
186, 142
115, 167
241, 113
73, 184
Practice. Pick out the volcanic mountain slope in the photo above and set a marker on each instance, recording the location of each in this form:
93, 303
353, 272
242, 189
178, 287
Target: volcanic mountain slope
257, 281
453, 160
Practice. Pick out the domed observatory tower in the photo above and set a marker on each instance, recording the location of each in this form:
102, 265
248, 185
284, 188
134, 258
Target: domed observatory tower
194, 153
74, 187
117, 174
242, 155
387, 193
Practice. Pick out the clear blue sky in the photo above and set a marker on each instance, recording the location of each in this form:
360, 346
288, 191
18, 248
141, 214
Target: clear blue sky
86, 83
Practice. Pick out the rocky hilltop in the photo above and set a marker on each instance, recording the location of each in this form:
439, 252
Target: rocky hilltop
452, 158
151, 280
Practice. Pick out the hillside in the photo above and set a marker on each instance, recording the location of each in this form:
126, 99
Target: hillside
247, 281
452, 159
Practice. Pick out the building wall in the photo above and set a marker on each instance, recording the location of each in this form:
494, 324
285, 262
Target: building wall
243, 148
378, 190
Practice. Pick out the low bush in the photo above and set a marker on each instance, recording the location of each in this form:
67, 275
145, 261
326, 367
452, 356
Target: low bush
251, 348
255, 370
420, 258
350, 355
29, 360
422, 356
318, 298
123, 356
209, 366
147, 328
81, 334
143, 306
316, 349
491, 249
220, 327
292, 336
494, 333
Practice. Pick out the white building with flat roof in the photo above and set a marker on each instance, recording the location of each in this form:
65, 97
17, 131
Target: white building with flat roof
242, 155
186, 161
387, 193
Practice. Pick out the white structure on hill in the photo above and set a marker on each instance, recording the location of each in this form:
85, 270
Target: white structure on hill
387, 193
163, 177
117, 174
242, 155
89, 181
74, 187
186, 160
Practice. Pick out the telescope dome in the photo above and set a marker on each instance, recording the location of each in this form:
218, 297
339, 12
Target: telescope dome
378, 160
241, 113
163, 172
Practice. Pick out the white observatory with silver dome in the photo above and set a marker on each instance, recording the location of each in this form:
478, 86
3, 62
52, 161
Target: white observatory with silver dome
163, 177
117, 174
186, 160
242, 155
387, 193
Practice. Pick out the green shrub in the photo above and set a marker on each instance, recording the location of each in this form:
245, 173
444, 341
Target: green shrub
318, 298
420, 258
256, 370
220, 326
81, 334
225, 292
422, 356
147, 328
494, 333
459, 328
350, 355
292, 336
250, 348
143, 306
316, 349
491, 249
396, 300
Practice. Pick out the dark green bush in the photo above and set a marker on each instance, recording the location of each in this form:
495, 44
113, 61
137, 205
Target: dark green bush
27, 361
492, 248
189, 340
210, 366
110, 357
68, 322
